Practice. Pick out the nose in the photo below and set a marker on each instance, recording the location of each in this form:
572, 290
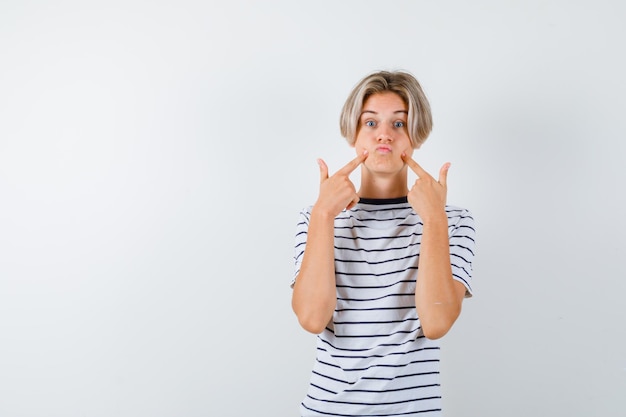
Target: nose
384, 135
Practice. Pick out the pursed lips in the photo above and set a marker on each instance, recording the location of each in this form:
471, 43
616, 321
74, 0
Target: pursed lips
383, 149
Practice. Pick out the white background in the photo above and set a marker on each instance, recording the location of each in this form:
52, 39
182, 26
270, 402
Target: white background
154, 157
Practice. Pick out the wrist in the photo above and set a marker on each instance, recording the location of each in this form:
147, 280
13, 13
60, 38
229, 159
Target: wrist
322, 214
439, 218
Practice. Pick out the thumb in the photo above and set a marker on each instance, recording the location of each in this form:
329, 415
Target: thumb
443, 174
323, 170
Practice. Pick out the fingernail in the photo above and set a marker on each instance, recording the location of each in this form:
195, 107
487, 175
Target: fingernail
365, 152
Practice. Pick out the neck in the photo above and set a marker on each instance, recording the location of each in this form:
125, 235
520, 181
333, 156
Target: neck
383, 186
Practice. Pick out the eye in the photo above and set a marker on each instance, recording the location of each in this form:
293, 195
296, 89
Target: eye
399, 124
370, 123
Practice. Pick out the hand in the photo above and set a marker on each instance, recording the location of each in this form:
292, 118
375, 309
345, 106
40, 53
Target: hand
337, 192
427, 196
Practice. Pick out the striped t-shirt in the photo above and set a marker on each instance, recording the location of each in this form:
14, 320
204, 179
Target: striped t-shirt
372, 358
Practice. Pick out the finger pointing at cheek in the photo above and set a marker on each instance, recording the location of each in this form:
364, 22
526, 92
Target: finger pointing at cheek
352, 165
337, 192
427, 196
415, 167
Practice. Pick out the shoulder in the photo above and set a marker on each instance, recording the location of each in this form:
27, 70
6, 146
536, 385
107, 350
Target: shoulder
459, 216
305, 214
456, 212
461, 223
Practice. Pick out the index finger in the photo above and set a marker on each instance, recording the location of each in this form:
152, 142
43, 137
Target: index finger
415, 167
352, 165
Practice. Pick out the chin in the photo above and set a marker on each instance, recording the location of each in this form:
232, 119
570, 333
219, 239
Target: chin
386, 167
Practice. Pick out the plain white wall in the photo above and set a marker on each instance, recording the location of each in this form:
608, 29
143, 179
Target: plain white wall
154, 156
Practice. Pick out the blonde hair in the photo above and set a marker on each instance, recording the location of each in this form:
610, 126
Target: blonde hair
405, 85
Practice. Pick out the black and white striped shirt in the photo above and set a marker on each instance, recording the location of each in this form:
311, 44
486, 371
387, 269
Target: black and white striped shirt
372, 358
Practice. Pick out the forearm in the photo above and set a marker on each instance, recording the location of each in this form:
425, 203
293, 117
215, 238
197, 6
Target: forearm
314, 294
437, 295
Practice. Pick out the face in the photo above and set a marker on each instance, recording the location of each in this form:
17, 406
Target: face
382, 131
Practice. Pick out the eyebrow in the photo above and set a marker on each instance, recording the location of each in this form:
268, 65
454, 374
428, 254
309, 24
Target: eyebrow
373, 112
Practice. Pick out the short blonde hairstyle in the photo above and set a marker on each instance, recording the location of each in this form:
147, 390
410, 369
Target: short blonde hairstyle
405, 85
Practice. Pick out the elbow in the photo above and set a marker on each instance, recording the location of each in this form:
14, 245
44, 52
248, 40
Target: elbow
312, 325
435, 332
313, 321
438, 326
314, 312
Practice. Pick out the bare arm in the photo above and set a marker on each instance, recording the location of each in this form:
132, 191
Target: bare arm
314, 293
438, 297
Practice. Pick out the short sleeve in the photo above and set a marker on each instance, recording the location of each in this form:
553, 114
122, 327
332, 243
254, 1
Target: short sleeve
462, 237
302, 228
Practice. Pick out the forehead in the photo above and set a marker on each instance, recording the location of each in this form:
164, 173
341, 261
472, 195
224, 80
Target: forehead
387, 101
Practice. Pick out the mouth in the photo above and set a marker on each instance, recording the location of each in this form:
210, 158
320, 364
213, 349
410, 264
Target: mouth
383, 149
